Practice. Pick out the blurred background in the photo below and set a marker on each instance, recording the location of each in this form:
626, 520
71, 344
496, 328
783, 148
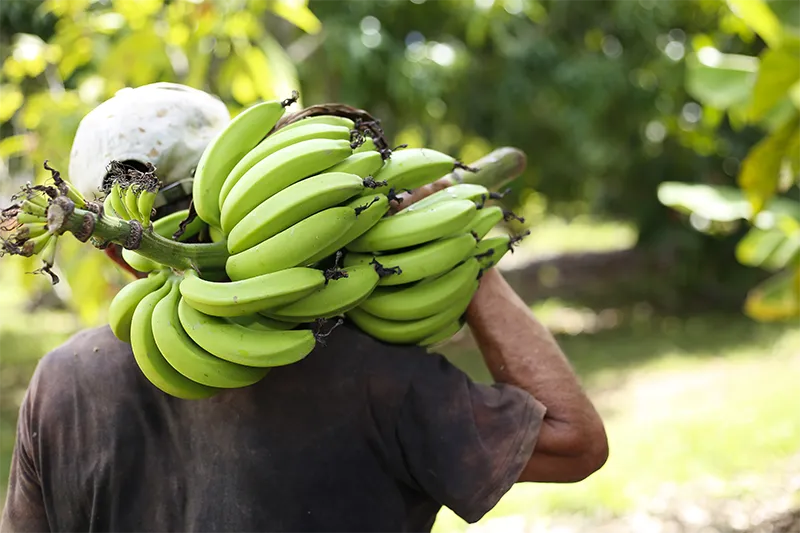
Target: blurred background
661, 195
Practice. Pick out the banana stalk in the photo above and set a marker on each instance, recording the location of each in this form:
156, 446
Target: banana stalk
494, 170
63, 216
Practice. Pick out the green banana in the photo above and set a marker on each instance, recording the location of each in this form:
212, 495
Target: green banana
216, 234
34, 209
291, 205
411, 331
36, 245
393, 233
331, 120
31, 229
490, 251
167, 225
459, 191
252, 295
367, 146
144, 205
361, 164
120, 311
108, 207
39, 199
116, 197
443, 334
191, 360
150, 359
277, 171
242, 345
292, 247
73, 194
139, 262
277, 141
430, 259
259, 321
334, 298
131, 200
425, 298
239, 136
370, 211
486, 219
24, 218
410, 168
48, 253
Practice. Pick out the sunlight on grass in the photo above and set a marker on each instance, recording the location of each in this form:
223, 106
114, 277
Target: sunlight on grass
682, 416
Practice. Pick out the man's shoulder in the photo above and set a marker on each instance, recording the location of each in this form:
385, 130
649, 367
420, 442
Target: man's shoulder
92, 361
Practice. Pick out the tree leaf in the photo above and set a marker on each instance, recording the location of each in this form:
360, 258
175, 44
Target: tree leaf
720, 80
14, 145
11, 101
775, 299
760, 170
758, 15
284, 73
787, 254
793, 154
718, 203
758, 245
260, 71
721, 203
297, 12
779, 70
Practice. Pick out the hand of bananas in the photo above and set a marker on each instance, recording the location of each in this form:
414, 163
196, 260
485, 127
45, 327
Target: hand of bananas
302, 208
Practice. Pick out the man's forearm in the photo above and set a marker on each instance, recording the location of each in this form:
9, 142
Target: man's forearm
520, 351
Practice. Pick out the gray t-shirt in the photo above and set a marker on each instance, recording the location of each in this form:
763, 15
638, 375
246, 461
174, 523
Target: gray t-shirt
359, 436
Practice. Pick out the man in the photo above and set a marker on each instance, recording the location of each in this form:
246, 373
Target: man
359, 436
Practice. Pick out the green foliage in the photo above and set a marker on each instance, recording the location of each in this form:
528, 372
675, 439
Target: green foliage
762, 92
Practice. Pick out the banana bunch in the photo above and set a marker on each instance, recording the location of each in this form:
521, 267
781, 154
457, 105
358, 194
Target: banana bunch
438, 250
192, 355
287, 199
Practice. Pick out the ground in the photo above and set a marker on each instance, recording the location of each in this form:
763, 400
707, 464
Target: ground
701, 411
701, 415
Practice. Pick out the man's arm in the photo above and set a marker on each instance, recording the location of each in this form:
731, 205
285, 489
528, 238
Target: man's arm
520, 351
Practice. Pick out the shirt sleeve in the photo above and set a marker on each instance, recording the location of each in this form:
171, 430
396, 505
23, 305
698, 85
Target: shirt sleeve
24, 507
464, 443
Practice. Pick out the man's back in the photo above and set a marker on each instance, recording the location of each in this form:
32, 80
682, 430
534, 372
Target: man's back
359, 436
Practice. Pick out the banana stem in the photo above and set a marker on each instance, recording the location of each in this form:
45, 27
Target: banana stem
62, 216
493, 170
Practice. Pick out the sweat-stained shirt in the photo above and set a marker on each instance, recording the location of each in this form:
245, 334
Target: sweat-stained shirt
358, 436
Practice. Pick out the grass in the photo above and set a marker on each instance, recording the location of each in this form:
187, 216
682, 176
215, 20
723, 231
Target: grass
712, 398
